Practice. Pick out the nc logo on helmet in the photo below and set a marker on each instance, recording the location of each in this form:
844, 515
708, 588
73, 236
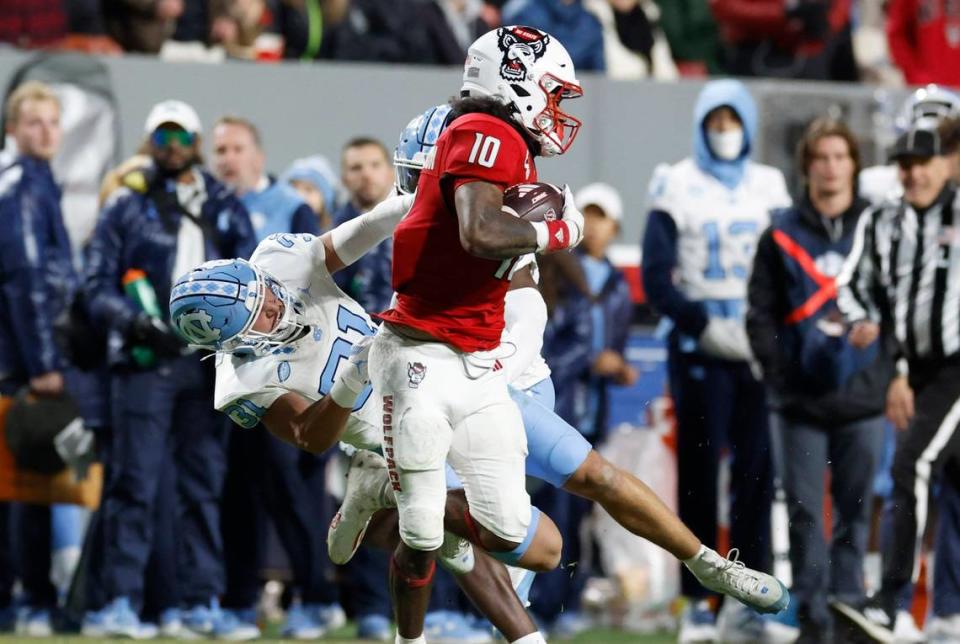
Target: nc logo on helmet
521, 47
195, 327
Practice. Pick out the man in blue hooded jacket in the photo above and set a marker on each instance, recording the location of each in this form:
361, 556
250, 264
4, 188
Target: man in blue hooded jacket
707, 212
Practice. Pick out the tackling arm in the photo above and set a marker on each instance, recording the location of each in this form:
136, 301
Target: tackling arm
349, 241
314, 427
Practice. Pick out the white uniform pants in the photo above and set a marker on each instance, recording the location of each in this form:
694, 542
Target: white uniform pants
442, 405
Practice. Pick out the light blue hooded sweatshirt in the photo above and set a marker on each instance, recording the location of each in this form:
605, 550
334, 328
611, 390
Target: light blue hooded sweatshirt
733, 94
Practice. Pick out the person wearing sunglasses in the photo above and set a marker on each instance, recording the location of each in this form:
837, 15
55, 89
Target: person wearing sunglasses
168, 450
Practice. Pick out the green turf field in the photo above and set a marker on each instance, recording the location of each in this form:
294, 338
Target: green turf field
344, 636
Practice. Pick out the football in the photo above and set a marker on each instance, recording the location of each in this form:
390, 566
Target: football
534, 201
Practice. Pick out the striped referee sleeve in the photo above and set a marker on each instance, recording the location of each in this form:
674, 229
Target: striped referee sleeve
855, 281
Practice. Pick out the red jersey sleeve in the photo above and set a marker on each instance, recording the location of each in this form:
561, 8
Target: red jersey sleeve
480, 147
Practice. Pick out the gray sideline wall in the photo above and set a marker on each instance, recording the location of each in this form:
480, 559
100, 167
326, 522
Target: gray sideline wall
629, 127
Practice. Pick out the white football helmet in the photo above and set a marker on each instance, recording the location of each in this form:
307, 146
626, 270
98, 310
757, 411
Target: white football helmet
930, 102
530, 72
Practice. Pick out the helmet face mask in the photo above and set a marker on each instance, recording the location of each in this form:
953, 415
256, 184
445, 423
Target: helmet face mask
216, 305
558, 128
530, 72
407, 172
286, 329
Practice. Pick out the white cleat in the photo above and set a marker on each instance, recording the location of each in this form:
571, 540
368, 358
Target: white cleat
456, 554
368, 490
762, 592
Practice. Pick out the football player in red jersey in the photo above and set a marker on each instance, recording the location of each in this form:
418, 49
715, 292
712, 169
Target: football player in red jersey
434, 363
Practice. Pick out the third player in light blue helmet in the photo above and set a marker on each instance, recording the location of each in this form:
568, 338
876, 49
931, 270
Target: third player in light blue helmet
416, 141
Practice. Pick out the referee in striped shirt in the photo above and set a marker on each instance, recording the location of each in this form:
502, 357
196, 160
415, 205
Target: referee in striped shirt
904, 273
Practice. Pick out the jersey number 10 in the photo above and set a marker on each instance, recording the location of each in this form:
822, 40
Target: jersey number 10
485, 150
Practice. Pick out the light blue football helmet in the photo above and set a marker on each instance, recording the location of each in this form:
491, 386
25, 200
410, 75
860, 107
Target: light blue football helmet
416, 141
215, 306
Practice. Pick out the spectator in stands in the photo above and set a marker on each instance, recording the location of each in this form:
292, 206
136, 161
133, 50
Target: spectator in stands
37, 23
452, 26
924, 41
809, 39
826, 396
316, 183
367, 174
236, 25
84, 17
692, 34
141, 25
302, 24
265, 475
162, 414
375, 30
707, 213
37, 283
568, 21
193, 23
633, 44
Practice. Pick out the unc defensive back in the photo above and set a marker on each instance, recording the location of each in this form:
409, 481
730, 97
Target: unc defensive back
311, 343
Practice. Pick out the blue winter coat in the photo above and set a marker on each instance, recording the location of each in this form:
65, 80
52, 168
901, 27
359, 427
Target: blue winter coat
37, 276
132, 233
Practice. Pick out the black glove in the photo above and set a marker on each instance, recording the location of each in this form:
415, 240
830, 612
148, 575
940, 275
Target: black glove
812, 14
153, 333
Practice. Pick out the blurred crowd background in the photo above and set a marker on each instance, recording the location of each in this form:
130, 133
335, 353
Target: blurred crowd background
842, 40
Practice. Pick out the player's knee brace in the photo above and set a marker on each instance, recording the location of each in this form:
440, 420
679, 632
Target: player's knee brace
421, 526
419, 451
